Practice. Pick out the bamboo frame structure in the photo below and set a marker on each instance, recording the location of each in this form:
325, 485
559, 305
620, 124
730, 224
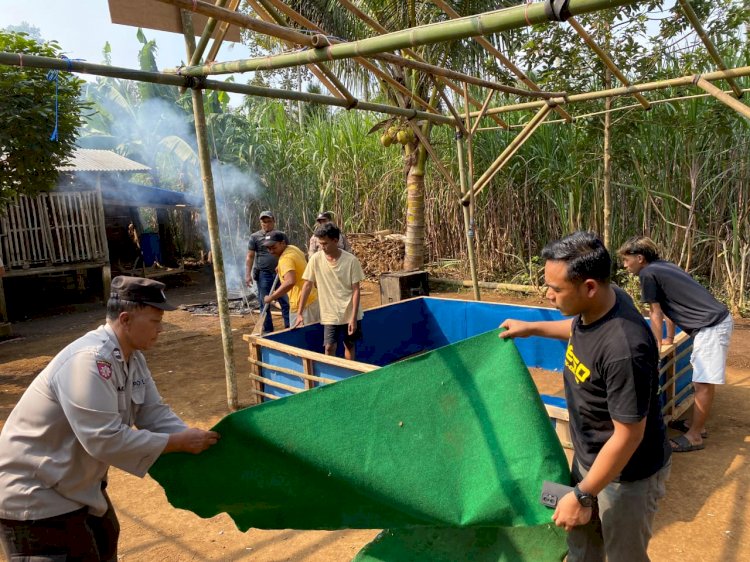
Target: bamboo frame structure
374, 25
604, 57
490, 48
322, 48
269, 62
710, 47
626, 90
14, 59
223, 28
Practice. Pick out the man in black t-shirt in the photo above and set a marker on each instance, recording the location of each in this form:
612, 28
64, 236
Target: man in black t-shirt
674, 296
622, 458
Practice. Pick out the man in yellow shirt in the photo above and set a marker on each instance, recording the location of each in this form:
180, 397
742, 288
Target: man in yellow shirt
337, 274
290, 268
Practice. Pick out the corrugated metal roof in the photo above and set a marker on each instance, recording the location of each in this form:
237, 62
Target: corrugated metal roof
90, 160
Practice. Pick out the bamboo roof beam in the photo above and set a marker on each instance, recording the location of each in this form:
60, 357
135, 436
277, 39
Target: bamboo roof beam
34, 61
612, 110
377, 47
506, 154
375, 25
208, 30
625, 90
604, 57
304, 22
320, 71
253, 24
485, 105
712, 51
449, 105
723, 97
223, 28
318, 42
491, 49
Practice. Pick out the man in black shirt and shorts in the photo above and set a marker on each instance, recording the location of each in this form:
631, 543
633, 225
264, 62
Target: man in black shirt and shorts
674, 296
622, 458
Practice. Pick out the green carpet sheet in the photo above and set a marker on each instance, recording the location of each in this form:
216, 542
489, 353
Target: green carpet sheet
457, 437
540, 543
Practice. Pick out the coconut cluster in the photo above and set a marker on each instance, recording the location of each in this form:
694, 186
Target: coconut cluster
394, 133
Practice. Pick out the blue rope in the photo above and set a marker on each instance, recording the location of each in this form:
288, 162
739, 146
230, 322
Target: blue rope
54, 75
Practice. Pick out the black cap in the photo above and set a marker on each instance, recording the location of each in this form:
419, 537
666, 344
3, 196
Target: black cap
265, 214
140, 290
272, 237
325, 215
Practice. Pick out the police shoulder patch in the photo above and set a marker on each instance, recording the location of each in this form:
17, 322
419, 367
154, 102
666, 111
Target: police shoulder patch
105, 369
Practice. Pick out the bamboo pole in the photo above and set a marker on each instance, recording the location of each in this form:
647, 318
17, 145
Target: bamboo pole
416, 61
723, 97
485, 105
613, 110
626, 90
374, 25
208, 30
221, 34
15, 59
509, 151
449, 105
604, 57
212, 219
468, 230
490, 48
321, 72
246, 22
712, 51
303, 21
481, 24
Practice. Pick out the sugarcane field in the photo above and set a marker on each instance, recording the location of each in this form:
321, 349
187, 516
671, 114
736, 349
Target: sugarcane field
375, 280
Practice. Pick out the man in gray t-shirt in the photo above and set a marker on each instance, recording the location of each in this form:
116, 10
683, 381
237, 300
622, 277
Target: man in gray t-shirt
260, 265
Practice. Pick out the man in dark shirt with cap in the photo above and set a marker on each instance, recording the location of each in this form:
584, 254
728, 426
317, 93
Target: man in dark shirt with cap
75, 420
260, 265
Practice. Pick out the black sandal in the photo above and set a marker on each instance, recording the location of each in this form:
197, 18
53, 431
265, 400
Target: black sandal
682, 426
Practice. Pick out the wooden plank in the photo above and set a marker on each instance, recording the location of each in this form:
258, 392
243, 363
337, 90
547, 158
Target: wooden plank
154, 15
57, 236
303, 376
310, 377
51, 269
259, 393
319, 357
49, 244
255, 385
277, 384
683, 406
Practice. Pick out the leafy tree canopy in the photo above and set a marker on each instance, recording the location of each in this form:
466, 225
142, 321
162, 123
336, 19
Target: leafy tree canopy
29, 158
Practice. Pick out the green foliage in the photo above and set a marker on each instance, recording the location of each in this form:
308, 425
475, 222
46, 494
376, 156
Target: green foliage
28, 158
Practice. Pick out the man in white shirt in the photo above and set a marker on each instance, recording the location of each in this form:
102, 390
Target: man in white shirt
337, 275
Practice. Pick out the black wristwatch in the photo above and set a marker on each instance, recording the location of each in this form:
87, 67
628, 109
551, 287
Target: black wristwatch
586, 500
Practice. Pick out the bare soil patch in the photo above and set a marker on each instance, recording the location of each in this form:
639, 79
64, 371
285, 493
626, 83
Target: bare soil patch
705, 516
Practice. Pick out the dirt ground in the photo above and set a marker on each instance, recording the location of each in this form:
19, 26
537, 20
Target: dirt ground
704, 517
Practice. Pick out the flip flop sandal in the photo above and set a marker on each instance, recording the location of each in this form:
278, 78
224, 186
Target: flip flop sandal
684, 445
682, 427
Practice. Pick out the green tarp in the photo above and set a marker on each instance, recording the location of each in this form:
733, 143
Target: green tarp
457, 437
